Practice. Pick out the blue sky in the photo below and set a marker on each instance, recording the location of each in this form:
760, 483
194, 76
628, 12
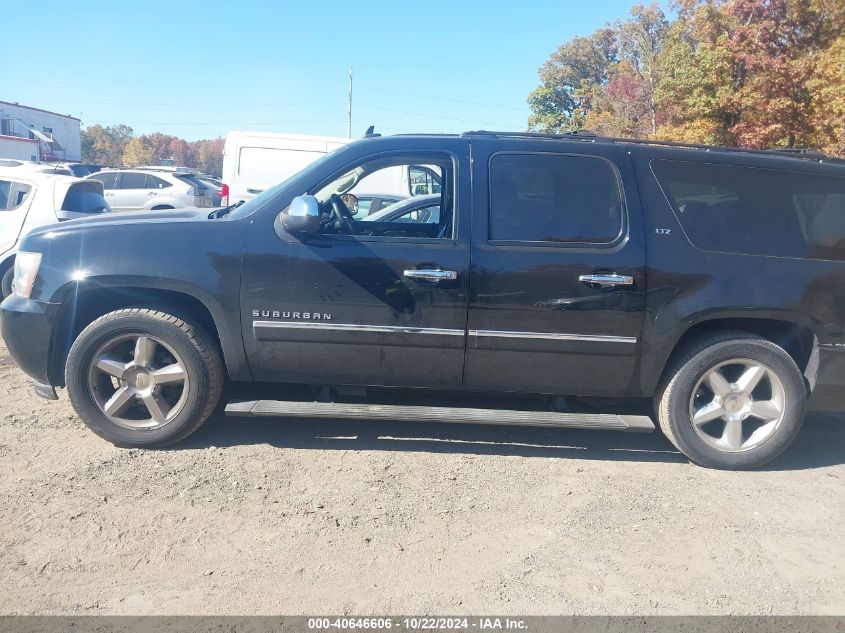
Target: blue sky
200, 69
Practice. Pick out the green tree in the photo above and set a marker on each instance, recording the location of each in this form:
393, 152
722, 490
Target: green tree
571, 81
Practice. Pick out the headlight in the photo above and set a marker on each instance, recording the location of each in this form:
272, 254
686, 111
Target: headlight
26, 268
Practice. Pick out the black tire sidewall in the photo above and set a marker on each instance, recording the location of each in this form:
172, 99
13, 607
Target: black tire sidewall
691, 372
81, 355
6, 281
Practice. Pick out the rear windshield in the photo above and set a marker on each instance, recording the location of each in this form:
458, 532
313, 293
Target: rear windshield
191, 180
754, 211
85, 197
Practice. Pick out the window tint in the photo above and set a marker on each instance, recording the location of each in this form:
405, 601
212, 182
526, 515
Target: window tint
133, 180
756, 211
108, 179
12, 194
84, 197
553, 198
154, 182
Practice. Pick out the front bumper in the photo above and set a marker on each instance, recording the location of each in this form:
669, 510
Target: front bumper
27, 329
829, 388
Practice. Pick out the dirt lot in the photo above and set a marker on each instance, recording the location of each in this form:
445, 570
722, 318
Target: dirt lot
291, 517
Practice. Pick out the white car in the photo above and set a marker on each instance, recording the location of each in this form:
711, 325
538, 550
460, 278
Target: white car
151, 189
30, 198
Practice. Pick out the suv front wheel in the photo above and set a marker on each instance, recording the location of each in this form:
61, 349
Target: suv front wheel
143, 378
733, 401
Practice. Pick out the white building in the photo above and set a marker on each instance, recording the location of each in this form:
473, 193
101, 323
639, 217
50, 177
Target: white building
33, 134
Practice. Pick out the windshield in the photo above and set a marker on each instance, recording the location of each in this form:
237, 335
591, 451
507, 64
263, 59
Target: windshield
252, 205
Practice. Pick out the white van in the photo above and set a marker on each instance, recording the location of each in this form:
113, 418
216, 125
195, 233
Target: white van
254, 161
30, 198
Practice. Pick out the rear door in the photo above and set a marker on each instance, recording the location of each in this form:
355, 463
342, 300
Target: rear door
558, 276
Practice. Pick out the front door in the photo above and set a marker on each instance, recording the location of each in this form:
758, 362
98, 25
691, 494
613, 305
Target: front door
373, 304
558, 273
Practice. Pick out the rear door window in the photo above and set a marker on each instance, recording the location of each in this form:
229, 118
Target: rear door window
133, 180
12, 194
554, 198
754, 211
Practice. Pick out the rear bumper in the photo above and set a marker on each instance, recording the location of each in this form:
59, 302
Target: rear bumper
829, 389
27, 329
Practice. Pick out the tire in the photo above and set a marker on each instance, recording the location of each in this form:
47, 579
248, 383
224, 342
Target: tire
717, 365
165, 368
6, 281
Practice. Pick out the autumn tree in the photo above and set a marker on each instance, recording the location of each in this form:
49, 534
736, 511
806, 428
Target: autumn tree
756, 73
105, 145
827, 99
138, 152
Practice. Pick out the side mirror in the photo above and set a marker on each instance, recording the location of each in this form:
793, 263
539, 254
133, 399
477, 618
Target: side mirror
302, 216
351, 202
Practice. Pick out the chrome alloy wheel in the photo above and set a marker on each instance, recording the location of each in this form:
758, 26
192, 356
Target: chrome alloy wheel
737, 405
138, 381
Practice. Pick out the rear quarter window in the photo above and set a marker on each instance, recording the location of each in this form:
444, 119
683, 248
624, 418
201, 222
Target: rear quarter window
756, 211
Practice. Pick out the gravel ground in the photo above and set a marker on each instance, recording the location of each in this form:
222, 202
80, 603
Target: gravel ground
279, 516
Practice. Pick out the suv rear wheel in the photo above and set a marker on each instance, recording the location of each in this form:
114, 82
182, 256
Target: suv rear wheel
143, 378
733, 400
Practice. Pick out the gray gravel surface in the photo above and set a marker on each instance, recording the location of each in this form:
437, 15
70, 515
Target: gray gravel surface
286, 516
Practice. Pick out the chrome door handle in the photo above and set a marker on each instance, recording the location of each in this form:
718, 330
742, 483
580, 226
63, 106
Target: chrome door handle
607, 281
431, 274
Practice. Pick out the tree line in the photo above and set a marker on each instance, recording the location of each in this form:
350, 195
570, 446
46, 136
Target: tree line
117, 146
750, 73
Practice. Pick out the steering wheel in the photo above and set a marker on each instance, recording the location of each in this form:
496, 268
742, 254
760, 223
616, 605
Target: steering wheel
342, 215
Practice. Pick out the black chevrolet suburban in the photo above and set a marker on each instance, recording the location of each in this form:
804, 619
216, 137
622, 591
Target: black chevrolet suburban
709, 281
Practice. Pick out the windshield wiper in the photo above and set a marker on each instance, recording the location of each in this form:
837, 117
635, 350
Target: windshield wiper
219, 213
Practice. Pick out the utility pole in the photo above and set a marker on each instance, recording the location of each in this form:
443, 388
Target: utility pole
349, 108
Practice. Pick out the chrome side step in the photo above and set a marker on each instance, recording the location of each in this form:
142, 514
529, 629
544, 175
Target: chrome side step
457, 415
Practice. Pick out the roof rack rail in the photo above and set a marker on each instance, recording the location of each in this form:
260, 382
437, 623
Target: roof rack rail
581, 134
589, 136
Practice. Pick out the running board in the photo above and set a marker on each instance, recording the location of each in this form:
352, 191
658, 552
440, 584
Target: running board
457, 415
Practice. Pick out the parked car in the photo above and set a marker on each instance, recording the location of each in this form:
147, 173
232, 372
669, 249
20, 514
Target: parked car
370, 203
422, 209
30, 199
83, 169
215, 185
154, 189
708, 281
